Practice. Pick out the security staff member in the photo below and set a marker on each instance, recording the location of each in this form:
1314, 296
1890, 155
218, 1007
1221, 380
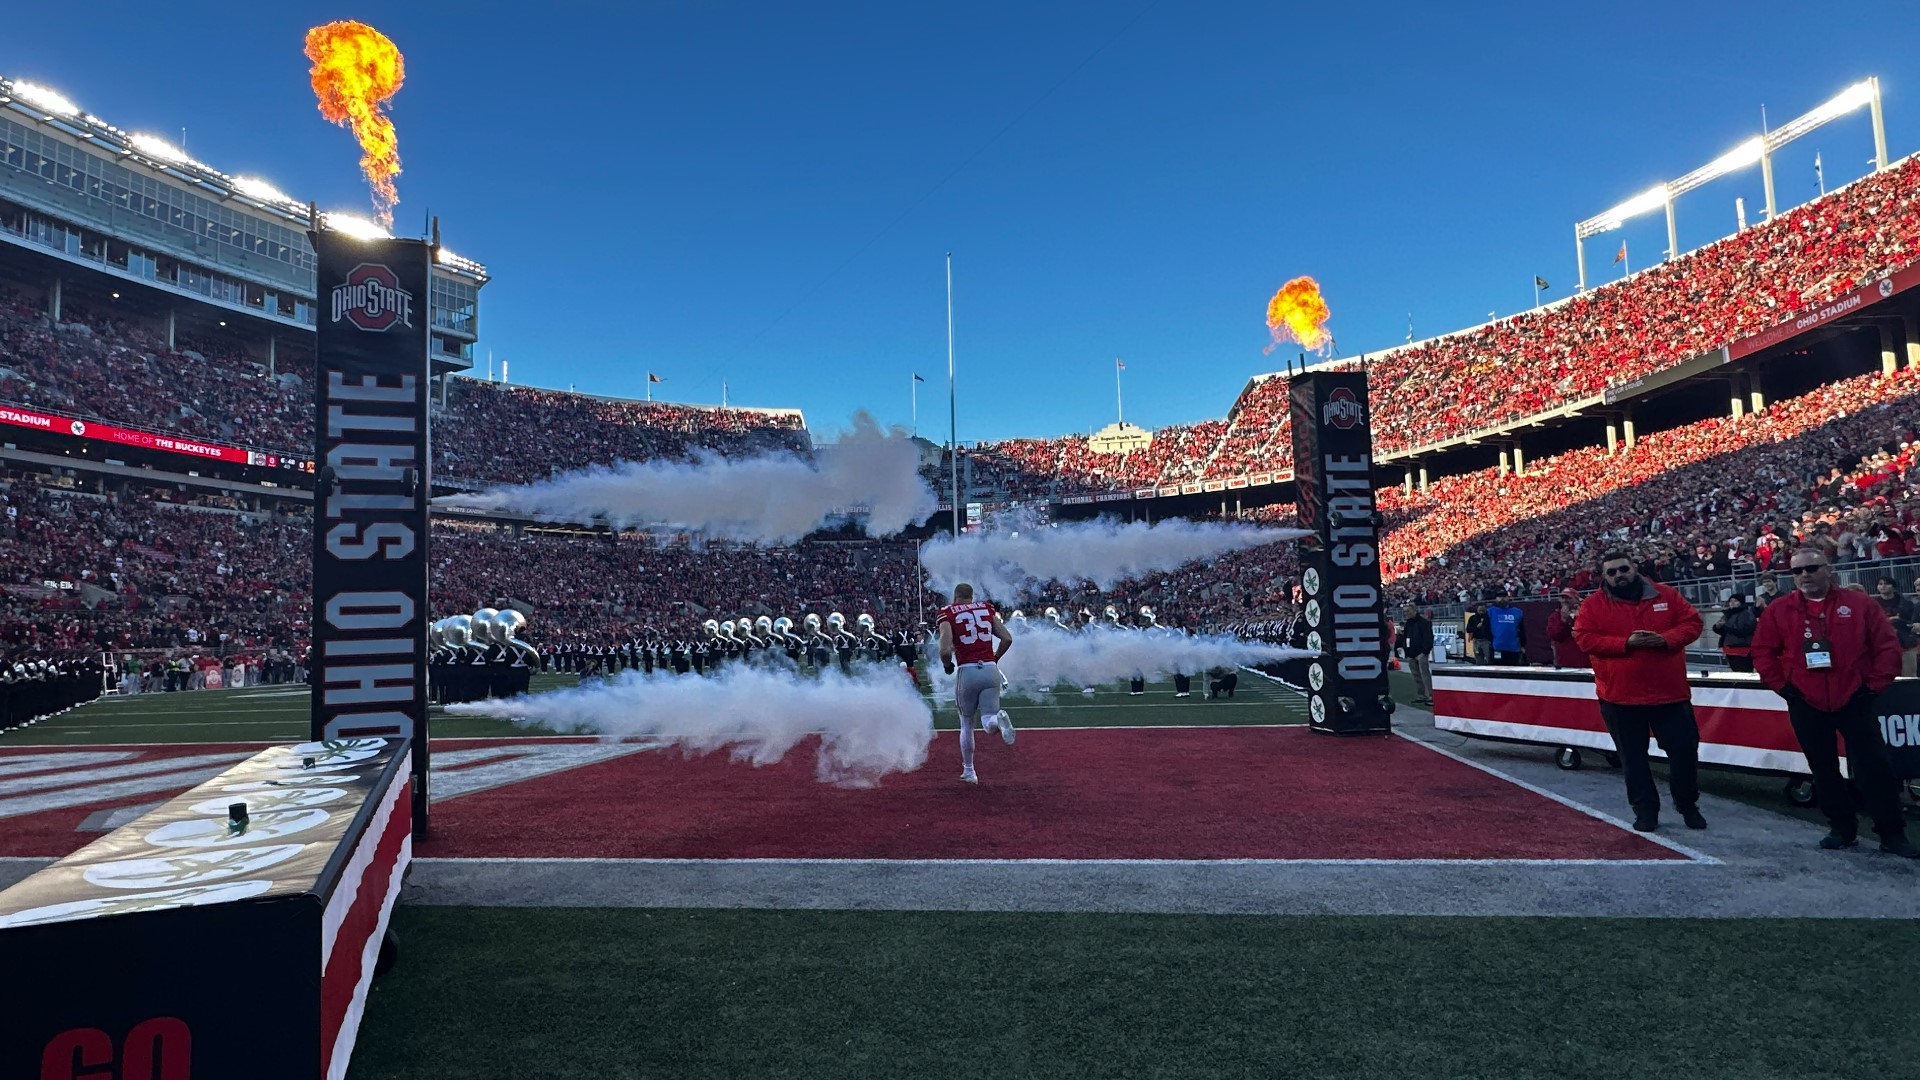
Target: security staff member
1636, 632
1829, 652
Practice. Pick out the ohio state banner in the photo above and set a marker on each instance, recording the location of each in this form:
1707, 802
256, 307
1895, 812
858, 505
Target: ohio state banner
370, 609
1333, 479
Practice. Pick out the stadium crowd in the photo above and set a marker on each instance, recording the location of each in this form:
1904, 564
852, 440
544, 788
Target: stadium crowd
99, 367
1540, 360
96, 365
1835, 467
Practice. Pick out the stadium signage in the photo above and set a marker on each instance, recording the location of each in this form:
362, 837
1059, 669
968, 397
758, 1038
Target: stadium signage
371, 298
1871, 293
145, 440
370, 605
1333, 474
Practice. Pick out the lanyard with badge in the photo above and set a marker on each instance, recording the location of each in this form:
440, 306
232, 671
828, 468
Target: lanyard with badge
1817, 647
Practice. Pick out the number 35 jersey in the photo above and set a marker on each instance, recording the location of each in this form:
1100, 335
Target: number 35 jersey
972, 631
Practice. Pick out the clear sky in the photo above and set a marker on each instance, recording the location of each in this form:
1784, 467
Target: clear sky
764, 192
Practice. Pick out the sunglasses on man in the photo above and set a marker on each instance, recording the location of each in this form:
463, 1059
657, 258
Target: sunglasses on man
1809, 568
1617, 571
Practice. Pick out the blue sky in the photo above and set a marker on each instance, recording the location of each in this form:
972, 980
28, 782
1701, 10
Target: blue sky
763, 192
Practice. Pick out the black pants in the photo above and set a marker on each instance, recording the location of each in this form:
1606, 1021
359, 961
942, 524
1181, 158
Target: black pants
1679, 736
1867, 759
1509, 659
1182, 684
1739, 663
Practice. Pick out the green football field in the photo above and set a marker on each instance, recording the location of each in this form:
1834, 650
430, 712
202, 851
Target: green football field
279, 714
618, 993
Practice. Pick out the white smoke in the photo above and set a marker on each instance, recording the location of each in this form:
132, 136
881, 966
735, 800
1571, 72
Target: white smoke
1002, 565
772, 498
1044, 656
870, 723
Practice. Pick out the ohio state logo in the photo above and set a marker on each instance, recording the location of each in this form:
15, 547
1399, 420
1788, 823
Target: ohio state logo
1342, 409
371, 298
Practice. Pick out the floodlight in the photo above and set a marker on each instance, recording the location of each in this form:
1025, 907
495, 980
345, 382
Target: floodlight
357, 227
255, 188
155, 147
43, 98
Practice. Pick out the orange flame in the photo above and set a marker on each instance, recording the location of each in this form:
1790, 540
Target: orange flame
1299, 312
356, 69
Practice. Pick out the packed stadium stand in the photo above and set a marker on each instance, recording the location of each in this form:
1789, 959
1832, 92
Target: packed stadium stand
1539, 361
143, 565
492, 432
148, 546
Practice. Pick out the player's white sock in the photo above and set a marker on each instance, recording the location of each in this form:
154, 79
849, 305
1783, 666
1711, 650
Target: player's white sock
966, 744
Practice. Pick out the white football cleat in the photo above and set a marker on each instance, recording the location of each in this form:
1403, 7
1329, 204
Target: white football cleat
1006, 726
968, 777
1088, 691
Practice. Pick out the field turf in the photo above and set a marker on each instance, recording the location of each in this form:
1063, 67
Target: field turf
943, 996
279, 714
732, 994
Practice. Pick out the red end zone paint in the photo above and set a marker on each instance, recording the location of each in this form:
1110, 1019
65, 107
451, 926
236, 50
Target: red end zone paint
1212, 793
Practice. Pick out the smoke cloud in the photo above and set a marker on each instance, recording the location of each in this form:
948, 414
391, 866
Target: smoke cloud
870, 723
1045, 656
1003, 564
774, 498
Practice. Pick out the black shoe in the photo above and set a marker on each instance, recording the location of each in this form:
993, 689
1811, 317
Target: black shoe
1834, 841
1646, 822
1900, 846
1691, 815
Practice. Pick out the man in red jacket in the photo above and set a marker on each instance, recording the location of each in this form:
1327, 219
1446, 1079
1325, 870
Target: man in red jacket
1566, 654
1829, 652
1636, 633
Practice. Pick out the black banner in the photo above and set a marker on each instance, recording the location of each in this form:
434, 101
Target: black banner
1898, 710
204, 940
370, 608
1333, 474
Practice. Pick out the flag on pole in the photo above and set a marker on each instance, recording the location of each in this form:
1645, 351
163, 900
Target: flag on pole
1540, 283
1623, 252
652, 378
1118, 365
917, 378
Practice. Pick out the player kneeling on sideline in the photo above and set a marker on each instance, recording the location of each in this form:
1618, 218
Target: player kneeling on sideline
971, 633
1222, 680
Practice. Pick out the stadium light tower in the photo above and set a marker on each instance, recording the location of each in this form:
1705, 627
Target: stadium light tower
1758, 149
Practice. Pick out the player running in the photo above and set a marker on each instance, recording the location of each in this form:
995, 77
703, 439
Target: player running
972, 633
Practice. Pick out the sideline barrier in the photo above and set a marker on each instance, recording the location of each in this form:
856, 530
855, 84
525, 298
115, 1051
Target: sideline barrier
190, 943
1742, 724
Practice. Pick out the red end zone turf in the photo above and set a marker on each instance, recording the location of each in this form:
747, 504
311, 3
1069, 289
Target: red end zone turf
1205, 793
1166, 793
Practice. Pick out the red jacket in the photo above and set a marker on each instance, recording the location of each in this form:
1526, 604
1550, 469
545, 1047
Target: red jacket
1640, 676
1566, 654
1866, 652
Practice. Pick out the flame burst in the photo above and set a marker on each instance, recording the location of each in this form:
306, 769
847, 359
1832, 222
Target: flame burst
356, 69
1298, 312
